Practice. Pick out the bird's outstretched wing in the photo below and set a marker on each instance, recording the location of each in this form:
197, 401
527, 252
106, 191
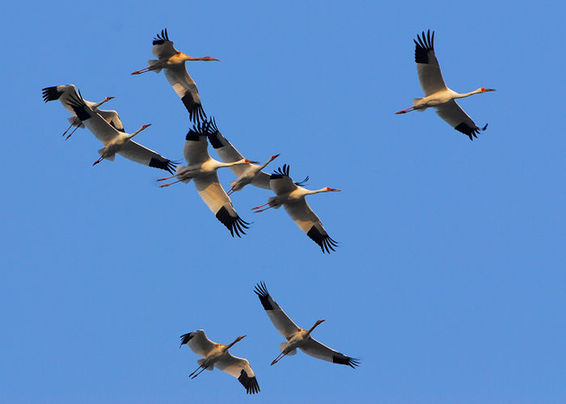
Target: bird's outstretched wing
239, 368
308, 221
219, 203
280, 181
112, 118
228, 154
141, 154
278, 317
186, 89
455, 116
428, 68
162, 46
198, 342
314, 348
196, 145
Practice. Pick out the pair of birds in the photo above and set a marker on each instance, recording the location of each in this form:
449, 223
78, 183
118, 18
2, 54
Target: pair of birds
217, 355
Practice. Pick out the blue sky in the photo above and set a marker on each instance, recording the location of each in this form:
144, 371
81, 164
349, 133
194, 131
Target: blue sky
449, 279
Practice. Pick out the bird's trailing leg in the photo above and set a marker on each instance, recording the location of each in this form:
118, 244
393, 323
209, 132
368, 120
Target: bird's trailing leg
144, 70
404, 111
230, 191
73, 131
66, 130
279, 357
197, 372
98, 161
258, 209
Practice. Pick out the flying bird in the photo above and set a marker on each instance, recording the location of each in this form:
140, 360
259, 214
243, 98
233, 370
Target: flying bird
62, 93
292, 196
247, 174
114, 140
297, 337
202, 169
437, 95
217, 355
172, 62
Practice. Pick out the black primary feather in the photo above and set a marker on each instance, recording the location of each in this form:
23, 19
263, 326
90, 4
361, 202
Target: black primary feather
281, 172
163, 164
236, 224
425, 43
161, 38
250, 383
326, 243
342, 359
51, 94
185, 338
261, 291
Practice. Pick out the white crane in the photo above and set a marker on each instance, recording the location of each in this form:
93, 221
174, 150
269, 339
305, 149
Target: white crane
296, 336
62, 93
202, 169
173, 63
437, 95
217, 355
114, 140
250, 174
292, 196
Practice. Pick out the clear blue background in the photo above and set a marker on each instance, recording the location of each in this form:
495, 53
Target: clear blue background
449, 282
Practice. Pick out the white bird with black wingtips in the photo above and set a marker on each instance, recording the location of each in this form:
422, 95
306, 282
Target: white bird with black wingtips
437, 95
115, 141
250, 174
201, 168
296, 336
172, 62
292, 196
62, 93
217, 355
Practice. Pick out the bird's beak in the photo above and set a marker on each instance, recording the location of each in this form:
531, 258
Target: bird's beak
251, 161
334, 190
147, 125
109, 98
275, 156
203, 59
490, 89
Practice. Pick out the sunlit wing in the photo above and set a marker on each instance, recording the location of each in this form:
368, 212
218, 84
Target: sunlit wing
428, 68
308, 221
314, 348
280, 181
198, 342
196, 145
239, 368
186, 89
278, 317
141, 154
162, 46
455, 116
219, 203
112, 118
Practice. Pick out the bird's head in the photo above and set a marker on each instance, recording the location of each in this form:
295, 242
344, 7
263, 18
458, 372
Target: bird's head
485, 90
147, 125
246, 161
328, 189
109, 98
274, 157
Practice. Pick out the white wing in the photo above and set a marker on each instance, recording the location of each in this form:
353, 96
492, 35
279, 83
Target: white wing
278, 317
455, 116
162, 46
314, 348
198, 342
219, 203
308, 221
91, 119
186, 89
239, 368
228, 154
112, 118
428, 68
280, 181
141, 154
196, 145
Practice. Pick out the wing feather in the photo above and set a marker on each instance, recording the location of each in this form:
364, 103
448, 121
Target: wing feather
428, 68
186, 89
198, 342
141, 154
455, 116
308, 221
278, 317
239, 368
314, 348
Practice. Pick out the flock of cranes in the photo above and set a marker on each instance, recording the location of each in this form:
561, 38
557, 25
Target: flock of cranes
202, 169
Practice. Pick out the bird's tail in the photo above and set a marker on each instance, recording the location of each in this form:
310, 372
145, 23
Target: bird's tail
73, 121
180, 168
110, 157
151, 63
272, 202
209, 367
282, 347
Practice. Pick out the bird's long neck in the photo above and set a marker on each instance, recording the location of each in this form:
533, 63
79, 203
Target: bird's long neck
313, 327
232, 344
131, 135
98, 104
464, 95
234, 163
316, 191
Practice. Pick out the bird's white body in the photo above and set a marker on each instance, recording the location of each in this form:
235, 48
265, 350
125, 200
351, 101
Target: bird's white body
437, 94
297, 337
217, 355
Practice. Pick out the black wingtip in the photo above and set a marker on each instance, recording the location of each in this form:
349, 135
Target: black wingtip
261, 292
51, 94
161, 38
326, 243
185, 338
281, 172
235, 224
250, 383
342, 359
423, 44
